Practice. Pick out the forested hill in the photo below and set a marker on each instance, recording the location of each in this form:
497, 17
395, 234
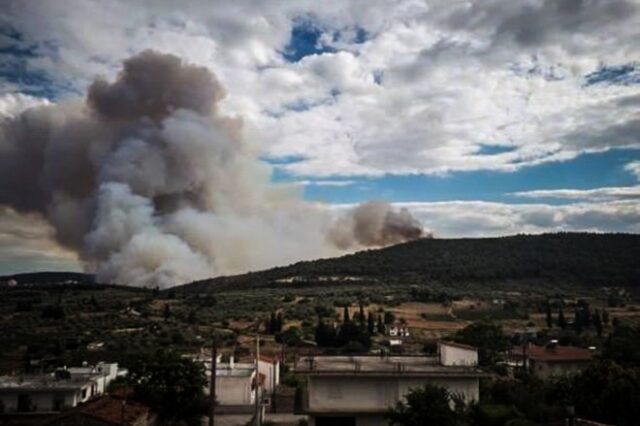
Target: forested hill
580, 258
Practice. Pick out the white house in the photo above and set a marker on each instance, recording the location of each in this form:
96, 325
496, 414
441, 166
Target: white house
452, 353
358, 390
270, 368
49, 393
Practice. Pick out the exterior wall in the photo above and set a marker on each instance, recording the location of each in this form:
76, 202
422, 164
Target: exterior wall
271, 374
545, 370
453, 355
234, 390
362, 394
40, 401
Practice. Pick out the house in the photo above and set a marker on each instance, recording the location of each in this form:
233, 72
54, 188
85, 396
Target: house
452, 354
358, 390
235, 381
104, 411
550, 360
50, 393
269, 366
399, 330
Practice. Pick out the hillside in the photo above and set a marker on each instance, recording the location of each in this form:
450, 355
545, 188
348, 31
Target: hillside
50, 278
579, 258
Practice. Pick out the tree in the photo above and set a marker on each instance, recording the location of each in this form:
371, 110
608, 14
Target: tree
289, 337
279, 323
487, 337
371, 324
345, 315
361, 317
426, 405
167, 312
597, 322
325, 335
562, 322
171, 385
549, 316
381, 328
605, 317
389, 318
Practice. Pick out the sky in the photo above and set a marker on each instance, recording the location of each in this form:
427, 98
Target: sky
484, 118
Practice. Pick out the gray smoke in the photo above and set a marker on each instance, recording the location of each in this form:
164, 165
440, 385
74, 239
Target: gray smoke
152, 186
375, 224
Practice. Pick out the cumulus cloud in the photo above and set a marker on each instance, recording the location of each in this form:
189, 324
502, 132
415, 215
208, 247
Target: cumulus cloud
427, 85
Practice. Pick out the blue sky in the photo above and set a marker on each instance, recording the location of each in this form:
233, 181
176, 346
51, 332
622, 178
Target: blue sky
484, 118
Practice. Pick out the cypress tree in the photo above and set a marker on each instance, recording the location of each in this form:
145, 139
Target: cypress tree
345, 315
549, 316
371, 325
597, 322
562, 322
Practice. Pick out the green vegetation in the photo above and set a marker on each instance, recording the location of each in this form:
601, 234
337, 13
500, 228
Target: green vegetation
428, 405
171, 385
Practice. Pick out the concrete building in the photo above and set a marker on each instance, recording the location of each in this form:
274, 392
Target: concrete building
50, 393
269, 367
358, 390
550, 360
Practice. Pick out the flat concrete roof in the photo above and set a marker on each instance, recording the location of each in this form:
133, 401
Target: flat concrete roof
362, 365
43, 383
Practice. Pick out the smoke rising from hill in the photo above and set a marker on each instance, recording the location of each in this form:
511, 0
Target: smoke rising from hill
152, 186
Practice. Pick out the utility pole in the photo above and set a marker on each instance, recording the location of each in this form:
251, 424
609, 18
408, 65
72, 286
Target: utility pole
257, 382
212, 384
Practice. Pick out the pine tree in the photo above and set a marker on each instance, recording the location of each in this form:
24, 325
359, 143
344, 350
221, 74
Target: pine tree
549, 316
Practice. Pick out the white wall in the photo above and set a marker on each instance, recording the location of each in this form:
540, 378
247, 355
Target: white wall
454, 355
349, 393
41, 400
271, 374
234, 390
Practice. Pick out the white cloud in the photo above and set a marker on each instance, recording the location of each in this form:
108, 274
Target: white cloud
337, 183
634, 168
597, 194
453, 75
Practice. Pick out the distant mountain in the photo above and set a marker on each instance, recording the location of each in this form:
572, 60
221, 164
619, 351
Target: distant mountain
581, 258
50, 278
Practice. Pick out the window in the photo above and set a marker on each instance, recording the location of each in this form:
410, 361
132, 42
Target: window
84, 393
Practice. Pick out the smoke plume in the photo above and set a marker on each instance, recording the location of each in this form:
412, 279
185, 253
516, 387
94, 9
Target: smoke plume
152, 186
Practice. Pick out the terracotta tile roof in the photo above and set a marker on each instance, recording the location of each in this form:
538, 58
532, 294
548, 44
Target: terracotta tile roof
554, 354
107, 409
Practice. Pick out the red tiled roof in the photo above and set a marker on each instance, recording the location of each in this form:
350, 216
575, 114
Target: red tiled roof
107, 409
554, 354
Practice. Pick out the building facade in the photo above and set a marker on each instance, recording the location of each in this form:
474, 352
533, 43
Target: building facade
359, 390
